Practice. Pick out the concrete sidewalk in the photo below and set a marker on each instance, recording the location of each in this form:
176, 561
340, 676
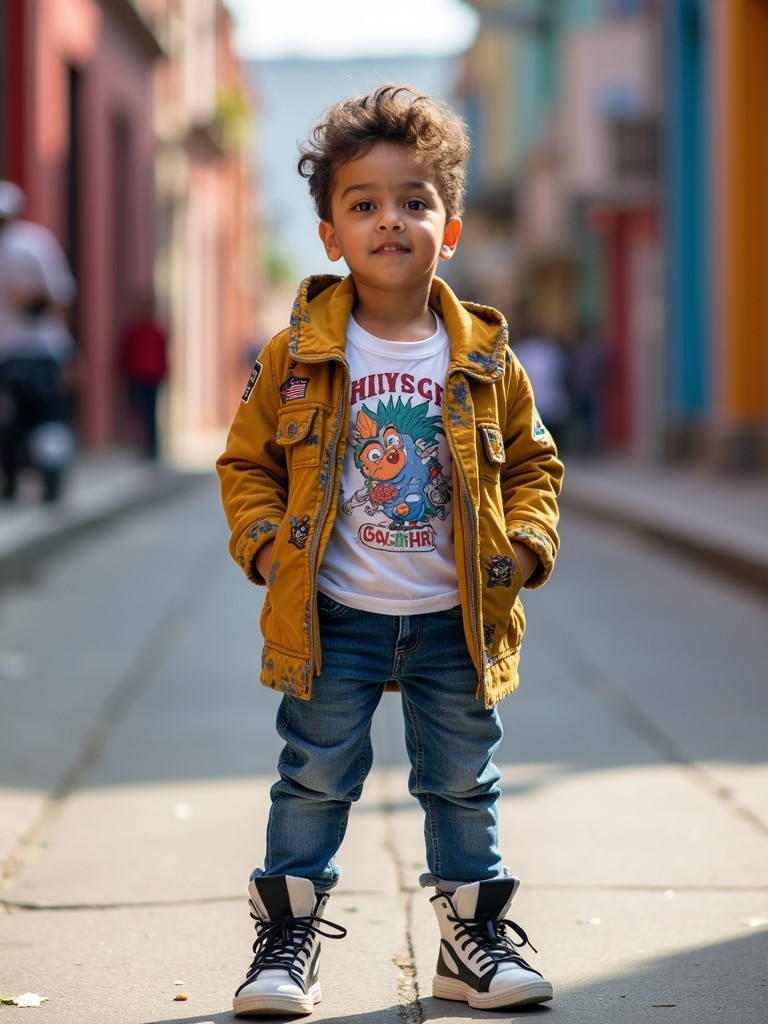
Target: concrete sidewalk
721, 521
99, 489
634, 798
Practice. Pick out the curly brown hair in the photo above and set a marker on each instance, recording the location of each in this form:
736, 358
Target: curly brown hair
393, 113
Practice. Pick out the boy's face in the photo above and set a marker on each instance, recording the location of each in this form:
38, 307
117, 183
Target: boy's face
387, 219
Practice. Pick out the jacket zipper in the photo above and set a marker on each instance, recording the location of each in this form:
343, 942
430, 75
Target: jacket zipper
474, 603
471, 535
330, 494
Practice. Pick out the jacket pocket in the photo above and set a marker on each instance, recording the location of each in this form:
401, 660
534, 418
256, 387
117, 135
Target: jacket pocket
492, 448
299, 431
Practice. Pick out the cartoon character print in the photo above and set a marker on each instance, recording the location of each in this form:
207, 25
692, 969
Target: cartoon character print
396, 453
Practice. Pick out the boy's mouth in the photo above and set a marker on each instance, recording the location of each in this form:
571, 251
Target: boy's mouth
392, 247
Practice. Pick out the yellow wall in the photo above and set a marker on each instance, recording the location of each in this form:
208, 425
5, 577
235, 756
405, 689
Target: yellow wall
741, 195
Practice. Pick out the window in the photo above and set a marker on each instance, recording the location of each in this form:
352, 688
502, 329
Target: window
634, 149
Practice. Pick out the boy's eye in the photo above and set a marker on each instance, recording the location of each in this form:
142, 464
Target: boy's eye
364, 206
415, 205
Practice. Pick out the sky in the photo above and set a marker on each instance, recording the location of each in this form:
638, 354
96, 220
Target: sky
271, 29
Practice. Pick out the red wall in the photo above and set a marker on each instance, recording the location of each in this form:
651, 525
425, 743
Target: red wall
86, 178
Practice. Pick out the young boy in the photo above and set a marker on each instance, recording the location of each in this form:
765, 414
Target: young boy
388, 478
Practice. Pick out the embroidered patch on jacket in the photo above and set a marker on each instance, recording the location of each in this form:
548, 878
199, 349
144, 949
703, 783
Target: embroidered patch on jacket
501, 570
299, 531
494, 444
255, 374
539, 432
262, 528
293, 388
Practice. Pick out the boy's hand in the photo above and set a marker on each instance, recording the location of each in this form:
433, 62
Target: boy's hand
528, 559
263, 559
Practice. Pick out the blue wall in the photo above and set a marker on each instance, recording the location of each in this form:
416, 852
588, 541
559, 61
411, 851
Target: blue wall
687, 214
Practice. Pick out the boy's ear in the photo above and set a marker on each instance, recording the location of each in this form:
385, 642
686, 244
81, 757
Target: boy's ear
328, 238
450, 238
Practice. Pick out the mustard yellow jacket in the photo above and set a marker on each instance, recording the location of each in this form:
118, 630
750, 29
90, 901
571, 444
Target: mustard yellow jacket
282, 464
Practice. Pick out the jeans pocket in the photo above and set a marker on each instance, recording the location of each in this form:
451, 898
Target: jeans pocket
331, 609
454, 613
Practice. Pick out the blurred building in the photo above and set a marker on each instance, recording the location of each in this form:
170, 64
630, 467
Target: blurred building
122, 121
208, 256
619, 180
716, 218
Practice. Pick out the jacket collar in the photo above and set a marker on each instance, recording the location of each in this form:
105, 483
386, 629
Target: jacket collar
324, 303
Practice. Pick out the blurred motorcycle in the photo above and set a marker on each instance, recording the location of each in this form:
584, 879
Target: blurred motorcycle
34, 428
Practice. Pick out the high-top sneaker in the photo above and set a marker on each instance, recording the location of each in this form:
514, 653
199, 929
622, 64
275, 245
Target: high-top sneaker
283, 978
479, 962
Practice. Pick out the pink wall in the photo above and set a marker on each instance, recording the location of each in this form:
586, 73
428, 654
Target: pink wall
89, 80
116, 214
108, 229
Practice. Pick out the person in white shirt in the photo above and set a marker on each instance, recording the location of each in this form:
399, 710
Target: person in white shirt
36, 348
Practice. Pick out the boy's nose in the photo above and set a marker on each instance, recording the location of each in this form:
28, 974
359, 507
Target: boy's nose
390, 220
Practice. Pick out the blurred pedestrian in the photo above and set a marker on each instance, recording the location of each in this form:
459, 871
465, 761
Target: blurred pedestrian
38, 356
388, 480
545, 361
586, 380
144, 368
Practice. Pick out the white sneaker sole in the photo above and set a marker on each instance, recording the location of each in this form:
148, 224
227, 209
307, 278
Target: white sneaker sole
523, 995
265, 1004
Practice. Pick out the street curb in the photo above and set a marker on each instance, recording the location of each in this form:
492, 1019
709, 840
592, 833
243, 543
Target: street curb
50, 527
683, 531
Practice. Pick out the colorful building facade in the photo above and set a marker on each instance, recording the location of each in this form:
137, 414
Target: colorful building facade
631, 146
737, 421
87, 122
77, 137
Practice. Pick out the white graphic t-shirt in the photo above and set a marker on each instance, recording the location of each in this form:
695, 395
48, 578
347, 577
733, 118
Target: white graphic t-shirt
391, 548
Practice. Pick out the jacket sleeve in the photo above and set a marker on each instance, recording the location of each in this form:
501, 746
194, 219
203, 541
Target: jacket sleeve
252, 468
532, 476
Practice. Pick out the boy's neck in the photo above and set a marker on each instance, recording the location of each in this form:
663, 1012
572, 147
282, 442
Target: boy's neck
395, 318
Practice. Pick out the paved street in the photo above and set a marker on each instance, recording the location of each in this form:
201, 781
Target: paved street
137, 749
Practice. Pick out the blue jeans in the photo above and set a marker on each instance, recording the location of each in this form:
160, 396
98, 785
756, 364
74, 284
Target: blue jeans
450, 737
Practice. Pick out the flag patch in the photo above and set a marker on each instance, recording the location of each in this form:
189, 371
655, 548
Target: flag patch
294, 388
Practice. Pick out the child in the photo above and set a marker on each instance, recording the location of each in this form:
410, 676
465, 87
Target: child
388, 478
